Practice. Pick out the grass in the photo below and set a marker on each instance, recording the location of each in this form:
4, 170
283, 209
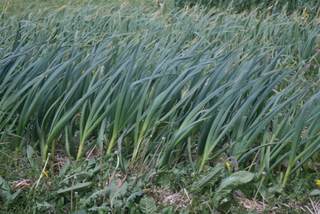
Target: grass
205, 106
17, 6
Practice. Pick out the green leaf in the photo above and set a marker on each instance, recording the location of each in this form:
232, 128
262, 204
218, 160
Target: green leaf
74, 187
5, 193
209, 179
43, 205
96, 195
112, 190
30, 153
231, 183
65, 168
315, 192
79, 212
133, 196
104, 208
147, 205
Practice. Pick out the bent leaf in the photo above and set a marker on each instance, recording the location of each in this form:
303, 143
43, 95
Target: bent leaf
231, 183
75, 187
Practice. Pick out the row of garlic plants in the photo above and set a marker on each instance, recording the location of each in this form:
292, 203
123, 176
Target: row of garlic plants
190, 84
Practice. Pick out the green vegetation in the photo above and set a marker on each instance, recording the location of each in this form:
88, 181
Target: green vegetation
151, 109
17, 6
242, 5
